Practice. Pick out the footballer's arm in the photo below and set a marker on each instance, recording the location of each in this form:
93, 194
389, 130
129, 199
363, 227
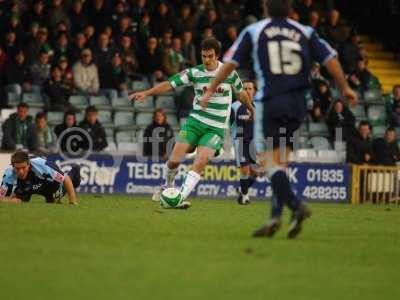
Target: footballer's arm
335, 70
12, 199
160, 88
244, 98
69, 188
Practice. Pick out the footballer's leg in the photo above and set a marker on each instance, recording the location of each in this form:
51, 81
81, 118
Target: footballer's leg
186, 140
194, 175
171, 167
245, 181
177, 156
75, 175
280, 126
248, 174
208, 143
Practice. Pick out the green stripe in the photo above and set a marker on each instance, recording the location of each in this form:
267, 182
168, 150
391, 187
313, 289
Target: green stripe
200, 68
239, 86
218, 106
235, 77
190, 75
207, 79
176, 79
209, 116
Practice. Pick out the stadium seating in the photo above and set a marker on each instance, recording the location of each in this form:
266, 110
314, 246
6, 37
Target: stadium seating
35, 110
378, 131
146, 105
304, 130
319, 143
329, 156
79, 117
339, 146
109, 132
302, 143
105, 118
101, 102
318, 129
78, 101
125, 136
377, 114
111, 148
124, 120
373, 95
122, 104
359, 112
55, 117
166, 102
13, 99
140, 85
143, 119
128, 147
33, 99
172, 120
336, 94
5, 114
304, 155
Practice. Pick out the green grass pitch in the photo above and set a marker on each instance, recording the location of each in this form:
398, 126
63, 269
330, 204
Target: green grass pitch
119, 247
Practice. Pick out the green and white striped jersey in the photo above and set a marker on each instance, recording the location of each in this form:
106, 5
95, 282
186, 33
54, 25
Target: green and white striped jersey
219, 107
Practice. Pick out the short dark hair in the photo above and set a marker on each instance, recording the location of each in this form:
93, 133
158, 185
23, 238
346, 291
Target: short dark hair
40, 115
390, 129
251, 81
91, 108
43, 52
159, 110
55, 67
279, 8
211, 43
20, 156
364, 123
70, 112
22, 105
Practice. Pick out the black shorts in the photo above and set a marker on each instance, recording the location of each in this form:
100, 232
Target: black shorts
75, 175
281, 116
245, 153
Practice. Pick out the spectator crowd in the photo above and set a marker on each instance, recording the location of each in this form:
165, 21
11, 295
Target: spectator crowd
60, 48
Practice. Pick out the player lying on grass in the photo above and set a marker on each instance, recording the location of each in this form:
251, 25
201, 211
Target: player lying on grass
27, 176
242, 136
204, 128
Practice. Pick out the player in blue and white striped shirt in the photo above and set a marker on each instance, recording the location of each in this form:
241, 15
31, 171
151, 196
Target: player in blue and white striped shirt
282, 51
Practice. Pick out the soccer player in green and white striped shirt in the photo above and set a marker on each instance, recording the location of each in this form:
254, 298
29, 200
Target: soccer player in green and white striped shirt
204, 128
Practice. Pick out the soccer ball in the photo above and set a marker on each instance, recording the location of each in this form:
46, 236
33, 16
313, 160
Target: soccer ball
171, 197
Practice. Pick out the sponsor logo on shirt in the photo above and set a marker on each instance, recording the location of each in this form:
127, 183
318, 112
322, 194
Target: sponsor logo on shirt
58, 177
3, 191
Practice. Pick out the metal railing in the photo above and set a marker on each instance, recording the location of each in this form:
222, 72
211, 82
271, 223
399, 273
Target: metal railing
375, 184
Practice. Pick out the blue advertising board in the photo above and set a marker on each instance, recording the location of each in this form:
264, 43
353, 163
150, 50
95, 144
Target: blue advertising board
106, 174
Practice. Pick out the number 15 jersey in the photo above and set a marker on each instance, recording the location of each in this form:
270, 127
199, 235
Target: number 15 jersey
282, 51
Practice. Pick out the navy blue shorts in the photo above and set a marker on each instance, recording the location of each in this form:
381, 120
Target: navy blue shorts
245, 153
279, 117
75, 175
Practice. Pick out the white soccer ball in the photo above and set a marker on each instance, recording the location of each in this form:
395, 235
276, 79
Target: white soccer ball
171, 197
